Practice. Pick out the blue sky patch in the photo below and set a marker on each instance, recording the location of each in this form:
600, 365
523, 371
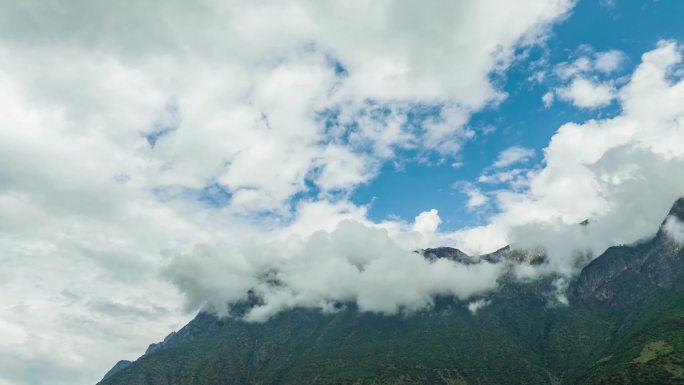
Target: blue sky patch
523, 119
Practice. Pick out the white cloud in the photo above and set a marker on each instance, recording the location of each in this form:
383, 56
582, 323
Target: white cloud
590, 62
584, 93
427, 222
476, 198
674, 229
548, 99
618, 172
513, 155
501, 177
609, 61
580, 79
353, 263
474, 306
561, 286
479, 239
342, 168
231, 95
577, 67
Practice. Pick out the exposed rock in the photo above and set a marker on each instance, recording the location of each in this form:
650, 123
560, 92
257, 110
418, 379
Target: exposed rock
449, 253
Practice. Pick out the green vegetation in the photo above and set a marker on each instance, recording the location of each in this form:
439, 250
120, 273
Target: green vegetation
655, 355
653, 350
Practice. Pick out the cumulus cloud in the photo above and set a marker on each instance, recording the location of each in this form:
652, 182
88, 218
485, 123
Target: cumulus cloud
475, 197
619, 172
548, 99
674, 228
585, 82
584, 93
590, 62
228, 95
609, 61
474, 306
427, 222
513, 155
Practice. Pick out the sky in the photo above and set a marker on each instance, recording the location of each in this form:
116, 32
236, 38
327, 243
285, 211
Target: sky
161, 158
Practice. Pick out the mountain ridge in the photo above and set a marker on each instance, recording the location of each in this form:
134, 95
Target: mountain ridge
521, 332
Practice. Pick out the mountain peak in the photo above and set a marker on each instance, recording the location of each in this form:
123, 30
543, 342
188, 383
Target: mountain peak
677, 209
449, 253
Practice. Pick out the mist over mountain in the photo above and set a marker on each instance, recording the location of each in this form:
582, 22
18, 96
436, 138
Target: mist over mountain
619, 321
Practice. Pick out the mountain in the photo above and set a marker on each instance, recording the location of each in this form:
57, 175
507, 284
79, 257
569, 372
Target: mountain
621, 322
117, 368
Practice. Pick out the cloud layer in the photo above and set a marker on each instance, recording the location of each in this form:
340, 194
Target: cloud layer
352, 264
675, 229
619, 173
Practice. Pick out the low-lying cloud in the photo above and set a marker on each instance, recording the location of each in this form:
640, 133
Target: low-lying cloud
674, 228
352, 264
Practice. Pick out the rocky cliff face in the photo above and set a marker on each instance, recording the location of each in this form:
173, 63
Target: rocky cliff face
623, 274
678, 209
